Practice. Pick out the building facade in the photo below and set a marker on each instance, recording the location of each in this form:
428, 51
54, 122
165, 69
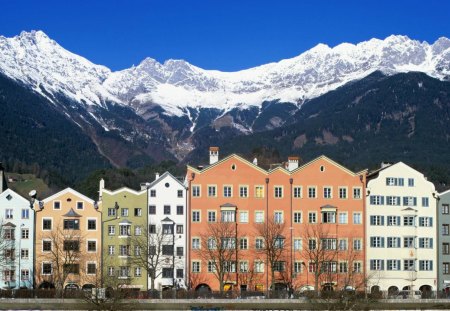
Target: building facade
124, 223
167, 232
16, 247
401, 231
443, 228
68, 241
289, 227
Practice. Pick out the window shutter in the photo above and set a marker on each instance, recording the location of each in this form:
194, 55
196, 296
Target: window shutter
398, 264
387, 181
382, 220
382, 242
431, 265
400, 182
399, 243
382, 200
415, 201
431, 242
431, 221
399, 201
371, 264
372, 199
382, 265
405, 201
398, 220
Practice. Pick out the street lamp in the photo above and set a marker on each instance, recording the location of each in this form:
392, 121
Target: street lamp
33, 195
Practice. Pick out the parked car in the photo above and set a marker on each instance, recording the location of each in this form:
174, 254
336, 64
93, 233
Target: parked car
407, 294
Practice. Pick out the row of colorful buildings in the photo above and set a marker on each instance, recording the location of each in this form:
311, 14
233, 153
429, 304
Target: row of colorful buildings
234, 225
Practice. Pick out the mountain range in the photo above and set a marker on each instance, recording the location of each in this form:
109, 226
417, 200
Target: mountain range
171, 110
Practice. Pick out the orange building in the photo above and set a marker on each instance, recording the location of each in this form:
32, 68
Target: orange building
68, 241
285, 222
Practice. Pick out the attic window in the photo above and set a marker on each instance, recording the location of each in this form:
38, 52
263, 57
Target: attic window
167, 185
233, 167
9, 197
322, 168
69, 200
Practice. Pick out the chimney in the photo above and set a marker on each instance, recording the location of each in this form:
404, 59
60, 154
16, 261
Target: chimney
156, 175
292, 163
100, 189
255, 161
3, 185
213, 155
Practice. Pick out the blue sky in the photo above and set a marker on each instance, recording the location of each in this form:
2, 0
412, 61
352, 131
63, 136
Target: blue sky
226, 35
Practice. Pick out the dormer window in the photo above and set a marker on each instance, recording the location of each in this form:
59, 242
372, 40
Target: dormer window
57, 205
80, 205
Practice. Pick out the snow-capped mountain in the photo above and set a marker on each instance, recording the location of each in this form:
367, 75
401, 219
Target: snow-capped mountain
35, 59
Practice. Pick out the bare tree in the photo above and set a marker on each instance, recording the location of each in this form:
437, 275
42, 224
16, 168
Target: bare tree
8, 251
273, 248
219, 250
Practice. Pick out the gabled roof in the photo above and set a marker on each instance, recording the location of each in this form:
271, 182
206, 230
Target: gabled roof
445, 192
161, 177
332, 162
65, 191
14, 194
72, 213
123, 189
233, 155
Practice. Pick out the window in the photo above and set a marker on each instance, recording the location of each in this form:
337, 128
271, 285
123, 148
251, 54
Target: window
329, 244
24, 253
137, 230
279, 266
46, 246
357, 267
111, 230
259, 191
343, 245
8, 234
25, 214
278, 192
111, 249
166, 209
329, 266
327, 192
71, 224
152, 210
25, 275
329, 217
196, 191
125, 230
376, 220
356, 193
111, 271
138, 212
71, 245
409, 201
180, 251
195, 243
408, 221
425, 242
111, 212
9, 214
343, 267
392, 181
124, 272
425, 265
151, 228
124, 212
410, 182
71, 268
46, 268
343, 218
137, 271
408, 264
125, 250
425, 202
357, 218
298, 267
92, 224
179, 193
212, 191
393, 220
56, 205
227, 191
228, 216
91, 268
297, 192
195, 216
180, 210
243, 243
278, 217
259, 243
196, 267
445, 248
259, 267
393, 242
243, 217
229, 266
212, 243
243, 191
297, 244
153, 193
445, 229
376, 200
376, 264
180, 229
376, 241
243, 266
211, 267
46, 224
228, 243
342, 193
259, 217
393, 201
211, 216
167, 228
445, 208
357, 244
445, 267
167, 250
180, 273
312, 244
311, 192
408, 242
393, 265
425, 222
92, 246
279, 242
25, 234
80, 205
297, 217
312, 217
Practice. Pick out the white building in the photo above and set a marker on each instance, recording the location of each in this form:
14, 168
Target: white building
400, 230
17, 241
167, 217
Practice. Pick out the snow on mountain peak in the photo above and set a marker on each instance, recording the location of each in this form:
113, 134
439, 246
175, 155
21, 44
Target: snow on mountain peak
35, 59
